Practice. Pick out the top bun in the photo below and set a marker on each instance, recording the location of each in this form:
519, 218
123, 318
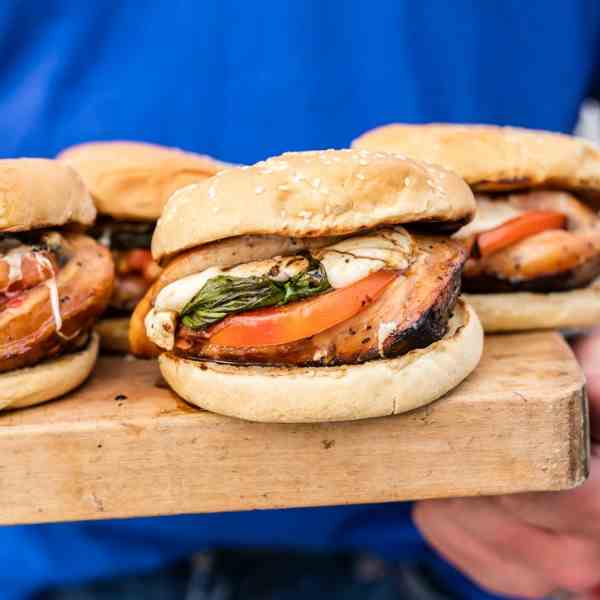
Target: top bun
491, 158
311, 194
37, 192
133, 180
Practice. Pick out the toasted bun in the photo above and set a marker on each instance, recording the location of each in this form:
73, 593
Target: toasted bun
520, 311
495, 158
132, 180
36, 192
114, 335
49, 379
311, 194
309, 395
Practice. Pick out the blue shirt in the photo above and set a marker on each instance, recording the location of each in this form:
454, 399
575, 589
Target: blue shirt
242, 81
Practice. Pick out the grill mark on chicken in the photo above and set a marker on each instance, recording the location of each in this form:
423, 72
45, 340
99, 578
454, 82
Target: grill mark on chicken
415, 307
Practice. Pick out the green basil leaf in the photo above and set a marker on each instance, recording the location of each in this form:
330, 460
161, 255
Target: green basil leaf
225, 295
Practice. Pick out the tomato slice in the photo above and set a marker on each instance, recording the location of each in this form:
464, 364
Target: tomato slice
517, 229
299, 320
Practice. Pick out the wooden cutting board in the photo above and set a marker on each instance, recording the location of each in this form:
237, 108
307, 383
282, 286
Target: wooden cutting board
124, 445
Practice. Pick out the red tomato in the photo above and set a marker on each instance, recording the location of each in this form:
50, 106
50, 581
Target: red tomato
518, 229
299, 320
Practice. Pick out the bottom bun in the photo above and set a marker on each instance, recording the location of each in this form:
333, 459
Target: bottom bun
312, 394
114, 335
521, 311
49, 379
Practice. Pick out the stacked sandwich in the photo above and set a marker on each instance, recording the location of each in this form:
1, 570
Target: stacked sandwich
54, 281
312, 286
534, 246
130, 182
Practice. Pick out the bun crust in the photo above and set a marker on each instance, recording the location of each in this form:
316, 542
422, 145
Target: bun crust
49, 379
522, 311
133, 180
308, 395
37, 192
311, 194
491, 158
114, 335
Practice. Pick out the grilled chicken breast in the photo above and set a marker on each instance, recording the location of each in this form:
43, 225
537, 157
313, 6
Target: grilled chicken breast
50, 317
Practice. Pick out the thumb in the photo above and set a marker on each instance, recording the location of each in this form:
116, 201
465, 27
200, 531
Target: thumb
587, 351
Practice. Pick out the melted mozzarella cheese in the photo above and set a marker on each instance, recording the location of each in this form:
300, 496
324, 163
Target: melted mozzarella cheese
177, 294
353, 259
160, 328
44, 263
14, 259
490, 214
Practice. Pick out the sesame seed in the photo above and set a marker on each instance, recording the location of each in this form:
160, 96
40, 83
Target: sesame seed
215, 209
363, 161
360, 176
316, 182
305, 214
212, 192
259, 189
408, 181
283, 187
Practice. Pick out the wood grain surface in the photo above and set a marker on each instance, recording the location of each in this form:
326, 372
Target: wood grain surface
124, 445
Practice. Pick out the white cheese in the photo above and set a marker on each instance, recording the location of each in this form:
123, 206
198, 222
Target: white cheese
44, 263
160, 328
386, 328
177, 294
14, 259
54, 303
490, 214
353, 259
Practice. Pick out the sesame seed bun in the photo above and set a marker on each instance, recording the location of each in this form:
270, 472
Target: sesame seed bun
311, 194
49, 379
491, 158
133, 180
308, 395
37, 193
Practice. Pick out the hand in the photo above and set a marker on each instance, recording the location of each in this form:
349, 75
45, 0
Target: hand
528, 545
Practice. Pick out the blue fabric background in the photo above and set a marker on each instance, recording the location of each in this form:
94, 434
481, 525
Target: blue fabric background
244, 80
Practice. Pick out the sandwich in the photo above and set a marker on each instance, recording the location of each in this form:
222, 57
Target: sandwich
535, 243
130, 182
54, 282
313, 286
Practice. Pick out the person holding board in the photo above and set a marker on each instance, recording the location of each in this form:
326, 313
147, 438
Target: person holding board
243, 81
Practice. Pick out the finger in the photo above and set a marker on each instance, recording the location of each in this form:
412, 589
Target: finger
575, 511
474, 554
568, 562
587, 351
